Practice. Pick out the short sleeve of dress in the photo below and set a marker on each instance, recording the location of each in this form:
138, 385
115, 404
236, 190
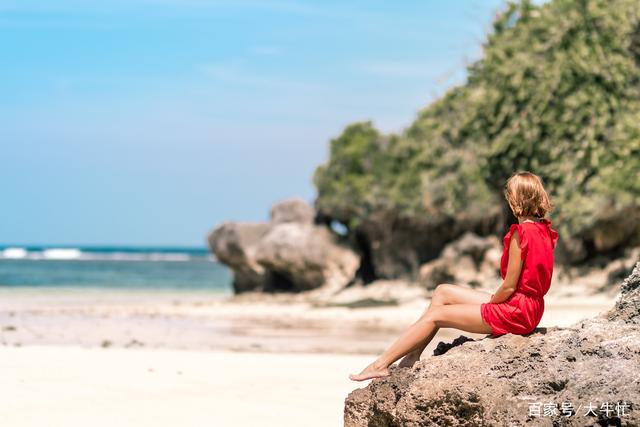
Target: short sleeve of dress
524, 242
553, 234
507, 244
523, 239
554, 237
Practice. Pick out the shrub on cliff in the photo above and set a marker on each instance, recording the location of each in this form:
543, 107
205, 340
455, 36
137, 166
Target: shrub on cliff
557, 92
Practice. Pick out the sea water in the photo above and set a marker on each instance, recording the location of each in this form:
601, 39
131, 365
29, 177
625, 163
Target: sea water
136, 268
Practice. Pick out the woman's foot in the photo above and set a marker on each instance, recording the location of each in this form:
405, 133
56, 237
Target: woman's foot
371, 371
409, 360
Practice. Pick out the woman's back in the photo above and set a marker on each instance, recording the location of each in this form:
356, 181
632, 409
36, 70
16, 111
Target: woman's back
537, 242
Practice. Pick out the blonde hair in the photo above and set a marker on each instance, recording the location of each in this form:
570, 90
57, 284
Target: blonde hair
526, 195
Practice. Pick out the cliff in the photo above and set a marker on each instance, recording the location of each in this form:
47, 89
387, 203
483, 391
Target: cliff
556, 92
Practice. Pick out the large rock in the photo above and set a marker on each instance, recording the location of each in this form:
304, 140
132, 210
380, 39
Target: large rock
506, 380
288, 253
306, 256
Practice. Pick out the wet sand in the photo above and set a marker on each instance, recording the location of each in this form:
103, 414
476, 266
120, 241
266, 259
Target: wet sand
203, 321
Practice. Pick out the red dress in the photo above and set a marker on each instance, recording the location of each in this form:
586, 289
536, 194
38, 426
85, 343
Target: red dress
522, 311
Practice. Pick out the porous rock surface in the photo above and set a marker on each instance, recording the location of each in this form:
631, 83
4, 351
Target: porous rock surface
505, 380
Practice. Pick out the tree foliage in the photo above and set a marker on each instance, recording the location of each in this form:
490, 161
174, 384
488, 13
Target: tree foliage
557, 92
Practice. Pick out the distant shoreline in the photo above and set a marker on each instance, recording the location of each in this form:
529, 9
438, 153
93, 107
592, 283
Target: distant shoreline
110, 248
114, 267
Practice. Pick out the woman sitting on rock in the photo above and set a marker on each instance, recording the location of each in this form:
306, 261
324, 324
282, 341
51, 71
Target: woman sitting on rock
517, 305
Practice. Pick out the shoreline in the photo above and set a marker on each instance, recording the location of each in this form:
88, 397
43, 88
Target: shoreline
197, 321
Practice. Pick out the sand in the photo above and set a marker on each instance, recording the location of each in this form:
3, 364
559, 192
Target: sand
69, 386
172, 320
91, 358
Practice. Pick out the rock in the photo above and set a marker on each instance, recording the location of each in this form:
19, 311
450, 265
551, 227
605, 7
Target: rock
292, 210
602, 277
472, 245
490, 265
306, 256
397, 245
612, 231
436, 272
615, 229
627, 308
470, 260
233, 243
506, 379
289, 253
619, 269
571, 250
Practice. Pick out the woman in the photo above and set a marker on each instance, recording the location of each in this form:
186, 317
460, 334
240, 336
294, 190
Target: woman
517, 305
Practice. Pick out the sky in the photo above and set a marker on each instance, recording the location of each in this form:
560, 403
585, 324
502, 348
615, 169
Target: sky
150, 122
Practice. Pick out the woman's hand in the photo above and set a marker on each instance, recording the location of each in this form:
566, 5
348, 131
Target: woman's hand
514, 268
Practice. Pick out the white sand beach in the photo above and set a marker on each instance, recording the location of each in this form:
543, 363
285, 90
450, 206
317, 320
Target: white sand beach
145, 358
71, 386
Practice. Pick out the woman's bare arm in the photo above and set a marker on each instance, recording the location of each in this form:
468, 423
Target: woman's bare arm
514, 267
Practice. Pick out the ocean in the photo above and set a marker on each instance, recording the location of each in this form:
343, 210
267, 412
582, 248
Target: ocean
135, 268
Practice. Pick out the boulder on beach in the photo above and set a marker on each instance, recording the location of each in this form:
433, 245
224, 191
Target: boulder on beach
288, 253
584, 374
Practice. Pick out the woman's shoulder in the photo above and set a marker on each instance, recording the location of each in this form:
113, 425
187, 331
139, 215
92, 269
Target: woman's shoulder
512, 230
544, 223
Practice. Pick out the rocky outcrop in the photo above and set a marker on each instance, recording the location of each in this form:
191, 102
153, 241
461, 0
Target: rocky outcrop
585, 374
288, 253
394, 246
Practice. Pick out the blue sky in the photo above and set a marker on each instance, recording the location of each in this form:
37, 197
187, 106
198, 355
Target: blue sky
148, 122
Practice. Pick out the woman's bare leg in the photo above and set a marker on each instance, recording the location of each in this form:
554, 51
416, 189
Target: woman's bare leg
445, 294
465, 317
